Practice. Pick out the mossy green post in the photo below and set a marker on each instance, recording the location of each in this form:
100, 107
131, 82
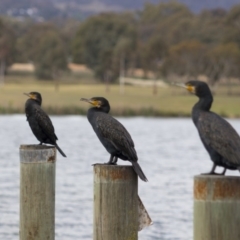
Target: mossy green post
37, 192
115, 203
216, 207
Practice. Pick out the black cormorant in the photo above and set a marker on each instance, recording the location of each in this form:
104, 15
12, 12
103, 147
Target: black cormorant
39, 121
112, 134
219, 138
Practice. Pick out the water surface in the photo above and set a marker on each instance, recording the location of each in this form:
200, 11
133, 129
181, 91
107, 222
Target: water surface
169, 151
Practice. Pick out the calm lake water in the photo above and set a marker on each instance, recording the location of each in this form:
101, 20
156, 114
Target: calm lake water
169, 151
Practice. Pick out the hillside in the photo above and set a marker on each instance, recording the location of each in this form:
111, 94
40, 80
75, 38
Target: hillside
194, 5
47, 9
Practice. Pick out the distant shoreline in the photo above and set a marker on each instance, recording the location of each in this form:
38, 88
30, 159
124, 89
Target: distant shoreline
133, 101
125, 112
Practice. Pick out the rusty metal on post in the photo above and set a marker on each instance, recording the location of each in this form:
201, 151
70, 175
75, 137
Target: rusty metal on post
115, 202
37, 192
216, 207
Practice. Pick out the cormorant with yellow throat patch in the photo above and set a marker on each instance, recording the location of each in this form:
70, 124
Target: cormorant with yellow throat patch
218, 137
39, 121
112, 134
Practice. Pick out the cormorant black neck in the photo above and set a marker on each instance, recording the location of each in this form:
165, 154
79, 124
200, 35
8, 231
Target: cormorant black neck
35, 101
204, 103
203, 92
94, 111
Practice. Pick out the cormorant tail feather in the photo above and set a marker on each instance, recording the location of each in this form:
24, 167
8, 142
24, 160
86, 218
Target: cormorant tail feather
139, 171
60, 150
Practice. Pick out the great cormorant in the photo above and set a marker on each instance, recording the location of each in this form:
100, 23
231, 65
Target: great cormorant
39, 121
112, 134
218, 137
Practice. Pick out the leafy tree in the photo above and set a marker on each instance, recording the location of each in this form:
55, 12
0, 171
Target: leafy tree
232, 31
124, 50
20, 29
154, 14
45, 48
233, 17
96, 40
223, 62
170, 20
209, 26
123, 54
186, 59
67, 29
51, 57
152, 55
7, 48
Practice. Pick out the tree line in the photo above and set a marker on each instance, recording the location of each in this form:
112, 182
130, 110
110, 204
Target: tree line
166, 39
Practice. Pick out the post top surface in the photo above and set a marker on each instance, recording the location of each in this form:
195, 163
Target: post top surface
111, 165
216, 177
37, 153
109, 172
35, 147
216, 188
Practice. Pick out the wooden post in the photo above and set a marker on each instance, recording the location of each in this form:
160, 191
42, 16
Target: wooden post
216, 207
37, 192
115, 203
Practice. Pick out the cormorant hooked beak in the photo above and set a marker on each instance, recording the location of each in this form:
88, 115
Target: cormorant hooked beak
187, 86
32, 96
94, 102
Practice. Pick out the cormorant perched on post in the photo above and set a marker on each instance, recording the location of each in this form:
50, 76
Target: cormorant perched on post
39, 121
112, 134
219, 138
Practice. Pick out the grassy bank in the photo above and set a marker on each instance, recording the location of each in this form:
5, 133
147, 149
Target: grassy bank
170, 101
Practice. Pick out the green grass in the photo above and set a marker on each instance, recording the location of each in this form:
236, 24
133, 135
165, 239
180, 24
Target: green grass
171, 101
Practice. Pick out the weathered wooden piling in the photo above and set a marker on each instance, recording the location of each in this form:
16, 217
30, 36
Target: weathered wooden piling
216, 207
37, 192
115, 203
